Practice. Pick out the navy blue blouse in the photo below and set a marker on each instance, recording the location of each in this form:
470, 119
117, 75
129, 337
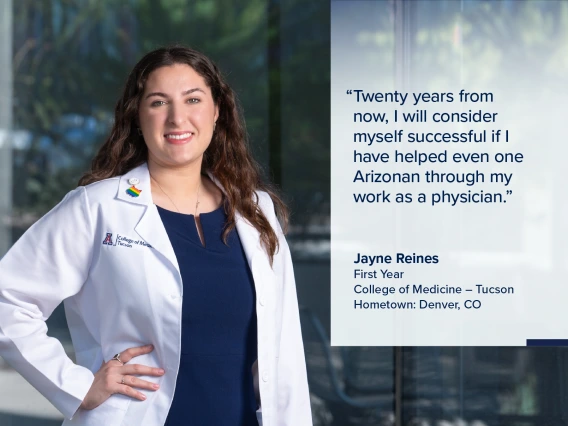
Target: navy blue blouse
219, 338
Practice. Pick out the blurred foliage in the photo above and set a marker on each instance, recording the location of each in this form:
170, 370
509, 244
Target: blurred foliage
71, 58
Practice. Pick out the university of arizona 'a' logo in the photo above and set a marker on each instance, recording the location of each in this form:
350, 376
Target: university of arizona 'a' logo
108, 239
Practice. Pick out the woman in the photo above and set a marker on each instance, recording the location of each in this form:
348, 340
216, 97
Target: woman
173, 209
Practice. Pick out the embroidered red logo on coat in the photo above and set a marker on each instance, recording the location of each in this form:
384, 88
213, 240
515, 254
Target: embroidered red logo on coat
108, 239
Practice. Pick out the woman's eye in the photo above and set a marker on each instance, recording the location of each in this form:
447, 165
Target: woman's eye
157, 103
193, 100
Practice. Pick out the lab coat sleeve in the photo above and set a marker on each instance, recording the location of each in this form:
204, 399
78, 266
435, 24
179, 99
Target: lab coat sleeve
293, 394
48, 264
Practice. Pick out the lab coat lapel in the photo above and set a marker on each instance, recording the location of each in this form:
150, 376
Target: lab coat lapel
250, 240
150, 227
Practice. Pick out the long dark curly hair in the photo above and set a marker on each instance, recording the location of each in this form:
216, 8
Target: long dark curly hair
228, 156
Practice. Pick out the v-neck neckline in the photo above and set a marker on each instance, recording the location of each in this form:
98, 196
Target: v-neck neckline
199, 223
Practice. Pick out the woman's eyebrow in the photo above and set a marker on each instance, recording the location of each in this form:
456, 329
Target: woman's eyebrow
163, 95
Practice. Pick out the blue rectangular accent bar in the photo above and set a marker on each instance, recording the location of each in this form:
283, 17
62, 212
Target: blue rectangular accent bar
547, 342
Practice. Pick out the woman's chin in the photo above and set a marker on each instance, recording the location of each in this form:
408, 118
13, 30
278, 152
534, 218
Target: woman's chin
177, 161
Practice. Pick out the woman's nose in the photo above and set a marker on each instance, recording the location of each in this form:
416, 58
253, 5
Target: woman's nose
176, 114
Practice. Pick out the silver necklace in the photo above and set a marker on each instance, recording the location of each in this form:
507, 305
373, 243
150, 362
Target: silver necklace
172, 201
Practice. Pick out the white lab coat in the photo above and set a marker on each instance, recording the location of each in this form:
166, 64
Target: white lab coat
130, 294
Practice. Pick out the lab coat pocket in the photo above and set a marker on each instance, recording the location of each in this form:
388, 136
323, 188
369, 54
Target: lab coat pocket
109, 413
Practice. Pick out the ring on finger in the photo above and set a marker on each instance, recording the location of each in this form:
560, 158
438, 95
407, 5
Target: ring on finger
122, 381
117, 358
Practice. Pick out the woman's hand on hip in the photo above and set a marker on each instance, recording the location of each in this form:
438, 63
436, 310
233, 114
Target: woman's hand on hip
116, 377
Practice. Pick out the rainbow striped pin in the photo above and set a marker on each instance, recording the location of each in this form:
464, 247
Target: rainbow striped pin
133, 191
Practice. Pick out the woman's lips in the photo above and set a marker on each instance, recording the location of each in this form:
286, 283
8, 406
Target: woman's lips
178, 138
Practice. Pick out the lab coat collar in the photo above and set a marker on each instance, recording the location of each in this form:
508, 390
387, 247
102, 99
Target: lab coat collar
249, 235
151, 228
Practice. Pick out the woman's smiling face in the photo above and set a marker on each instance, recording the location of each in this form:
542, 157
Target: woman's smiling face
177, 115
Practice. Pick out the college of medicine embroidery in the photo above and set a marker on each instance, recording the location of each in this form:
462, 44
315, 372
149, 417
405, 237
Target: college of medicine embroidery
133, 191
123, 241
